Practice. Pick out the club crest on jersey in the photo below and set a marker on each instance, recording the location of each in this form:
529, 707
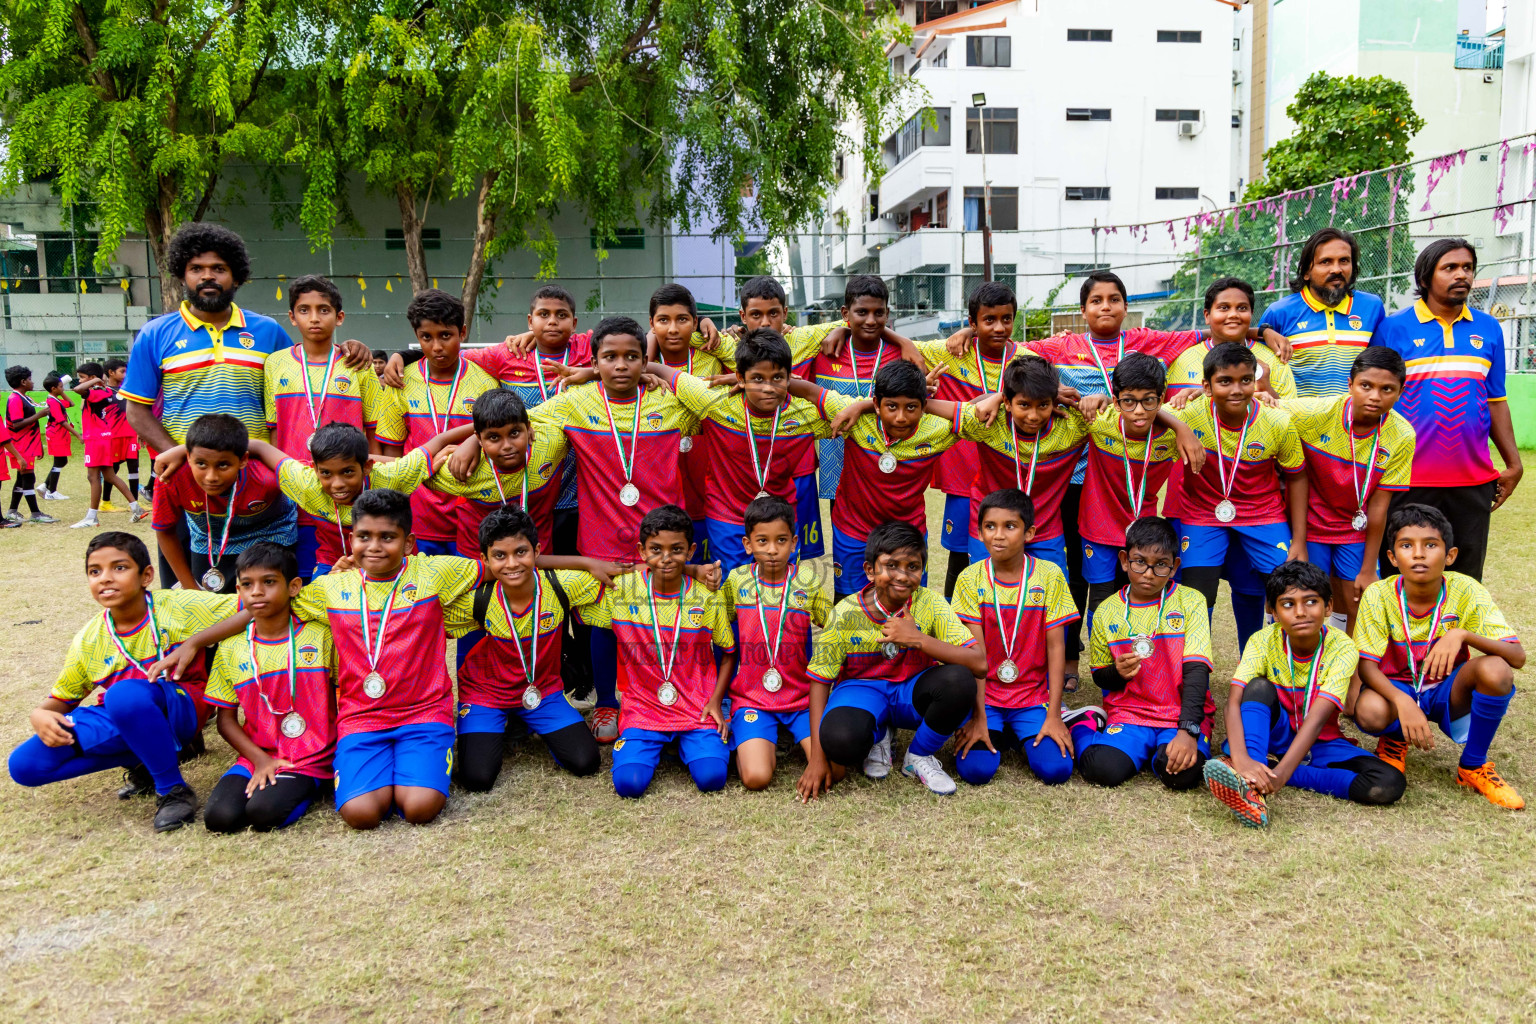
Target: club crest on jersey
546, 622
247, 340
1382, 456
749, 716
546, 468
1175, 619
789, 424
408, 591
1476, 340
653, 420
799, 598
309, 654
1255, 448
1355, 323
255, 507
467, 401
923, 448
1159, 449
695, 616
342, 383
1037, 593
1087, 553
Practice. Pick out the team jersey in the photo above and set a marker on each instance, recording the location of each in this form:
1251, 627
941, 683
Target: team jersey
333, 535
188, 368
411, 656
1267, 656
262, 693
850, 646
1188, 370
5, 463
1455, 374
494, 674
1335, 469
349, 396
649, 428
963, 379
93, 660
1039, 600
1106, 509
58, 420
29, 439
523, 372
1054, 453
731, 480
488, 489
872, 496
261, 510
1379, 624
1270, 448
1183, 635
695, 618
806, 606
694, 454
1324, 339
101, 413
413, 422
849, 372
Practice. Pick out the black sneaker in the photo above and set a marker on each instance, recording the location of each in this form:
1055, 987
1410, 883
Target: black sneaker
136, 782
175, 809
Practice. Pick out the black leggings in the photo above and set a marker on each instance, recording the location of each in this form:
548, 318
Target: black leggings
283, 802
1376, 782
26, 487
480, 755
1103, 765
944, 696
1207, 580
59, 462
958, 560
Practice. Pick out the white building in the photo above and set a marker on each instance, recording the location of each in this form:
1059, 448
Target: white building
1111, 113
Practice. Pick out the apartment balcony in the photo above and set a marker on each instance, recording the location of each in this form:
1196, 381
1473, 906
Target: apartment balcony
926, 171
1480, 53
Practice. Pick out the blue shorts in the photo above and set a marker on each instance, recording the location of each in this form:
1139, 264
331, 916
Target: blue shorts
1341, 561
320, 570
553, 714
1322, 754
1140, 742
848, 562
808, 516
407, 755
1053, 550
1435, 702
1238, 572
700, 543
957, 523
99, 736
436, 547
1101, 562
726, 542
1019, 727
306, 550
642, 746
1265, 545
890, 702
752, 724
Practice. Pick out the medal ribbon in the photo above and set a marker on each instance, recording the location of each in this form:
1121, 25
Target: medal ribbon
229, 517
1009, 640
316, 408
531, 662
773, 652
1125, 599
1313, 668
453, 396
662, 662
293, 670
1237, 459
1093, 350
538, 370
981, 369
372, 649
154, 629
760, 470
853, 357
627, 465
888, 615
1414, 668
1361, 491
1135, 494
496, 476
1034, 457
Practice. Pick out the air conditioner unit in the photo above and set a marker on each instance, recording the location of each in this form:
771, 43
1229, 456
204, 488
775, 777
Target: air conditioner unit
1189, 129
1237, 77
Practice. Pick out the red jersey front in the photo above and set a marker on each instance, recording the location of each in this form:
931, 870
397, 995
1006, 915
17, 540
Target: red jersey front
755, 605
1269, 447
262, 691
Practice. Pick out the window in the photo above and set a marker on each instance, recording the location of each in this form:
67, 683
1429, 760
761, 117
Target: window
1086, 193
18, 267
839, 167
874, 206
1237, 119
923, 288
1002, 273
1078, 269
1169, 114
1087, 113
68, 262
996, 127
1089, 35
917, 132
929, 10
940, 59
431, 238
1182, 36
1005, 208
1176, 192
988, 51
898, 65
623, 238
941, 209
1237, 42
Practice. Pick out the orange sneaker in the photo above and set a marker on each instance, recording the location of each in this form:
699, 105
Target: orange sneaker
1489, 783
1394, 752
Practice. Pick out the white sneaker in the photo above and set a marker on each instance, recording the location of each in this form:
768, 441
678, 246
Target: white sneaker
56, 496
877, 763
87, 521
605, 725
137, 513
928, 771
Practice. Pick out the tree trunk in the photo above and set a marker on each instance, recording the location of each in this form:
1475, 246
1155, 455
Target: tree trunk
159, 228
410, 226
485, 227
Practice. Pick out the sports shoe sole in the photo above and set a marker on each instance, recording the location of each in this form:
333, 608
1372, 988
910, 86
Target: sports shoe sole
1231, 788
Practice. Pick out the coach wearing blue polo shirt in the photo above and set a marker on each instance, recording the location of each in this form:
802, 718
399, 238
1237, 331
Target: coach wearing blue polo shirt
1454, 398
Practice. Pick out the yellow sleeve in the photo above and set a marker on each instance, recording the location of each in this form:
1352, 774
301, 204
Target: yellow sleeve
1197, 627
820, 605
222, 676
1098, 643
945, 625
313, 602
1255, 660
719, 621
828, 652
390, 426
269, 390
404, 474
1399, 468
582, 588
935, 352
1372, 628
192, 611
826, 407
1483, 617
301, 486
599, 613
1059, 607
966, 604
444, 482
372, 394
451, 577
696, 396
1340, 657
725, 351
1283, 380
74, 682
805, 342
1290, 455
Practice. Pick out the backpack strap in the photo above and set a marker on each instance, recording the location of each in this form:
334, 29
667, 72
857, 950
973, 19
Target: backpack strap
482, 602
565, 602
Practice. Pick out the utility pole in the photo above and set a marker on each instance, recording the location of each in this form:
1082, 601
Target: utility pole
979, 101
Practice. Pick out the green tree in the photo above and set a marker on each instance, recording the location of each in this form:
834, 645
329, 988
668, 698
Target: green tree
132, 108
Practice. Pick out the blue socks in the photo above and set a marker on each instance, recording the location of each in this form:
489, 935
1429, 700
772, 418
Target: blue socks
138, 710
1333, 781
926, 741
1487, 713
1257, 723
34, 763
605, 669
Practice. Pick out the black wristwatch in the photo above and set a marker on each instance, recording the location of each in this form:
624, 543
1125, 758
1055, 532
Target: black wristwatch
1193, 728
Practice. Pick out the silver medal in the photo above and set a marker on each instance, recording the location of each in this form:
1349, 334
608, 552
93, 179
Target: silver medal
1142, 647
1226, 511
309, 442
213, 580
890, 649
373, 685
629, 494
762, 494
293, 725
685, 444
1007, 672
1359, 522
532, 698
772, 681
887, 463
667, 694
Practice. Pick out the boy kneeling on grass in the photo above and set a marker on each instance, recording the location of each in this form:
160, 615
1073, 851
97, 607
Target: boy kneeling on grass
1286, 697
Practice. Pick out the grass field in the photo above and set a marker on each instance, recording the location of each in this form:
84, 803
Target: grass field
549, 898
